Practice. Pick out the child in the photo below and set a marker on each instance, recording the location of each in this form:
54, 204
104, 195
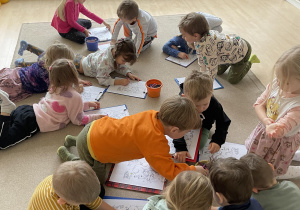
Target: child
189, 190
72, 184
198, 87
232, 183
100, 64
67, 23
216, 51
177, 46
142, 135
277, 137
61, 105
135, 20
270, 193
32, 77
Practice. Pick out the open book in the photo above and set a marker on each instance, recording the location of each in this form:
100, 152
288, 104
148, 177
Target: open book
183, 62
92, 93
216, 84
102, 33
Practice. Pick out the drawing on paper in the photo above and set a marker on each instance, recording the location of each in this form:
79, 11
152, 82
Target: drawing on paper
117, 112
134, 88
126, 204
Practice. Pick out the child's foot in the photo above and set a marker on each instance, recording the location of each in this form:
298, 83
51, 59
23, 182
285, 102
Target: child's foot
70, 141
65, 155
23, 47
7, 106
254, 59
19, 62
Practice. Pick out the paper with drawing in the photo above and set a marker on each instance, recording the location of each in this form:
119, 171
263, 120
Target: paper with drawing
126, 204
102, 33
134, 88
183, 62
117, 112
92, 93
216, 83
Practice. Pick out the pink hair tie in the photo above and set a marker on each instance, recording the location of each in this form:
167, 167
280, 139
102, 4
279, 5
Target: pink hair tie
50, 67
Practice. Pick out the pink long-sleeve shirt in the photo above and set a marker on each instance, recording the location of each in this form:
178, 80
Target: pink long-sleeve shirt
72, 11
55, 111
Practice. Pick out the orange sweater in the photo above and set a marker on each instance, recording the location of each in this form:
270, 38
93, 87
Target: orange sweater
141, 135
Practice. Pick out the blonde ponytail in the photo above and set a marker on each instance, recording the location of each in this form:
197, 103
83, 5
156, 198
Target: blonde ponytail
61, 10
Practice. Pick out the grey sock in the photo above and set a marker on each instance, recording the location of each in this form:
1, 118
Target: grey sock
70, 141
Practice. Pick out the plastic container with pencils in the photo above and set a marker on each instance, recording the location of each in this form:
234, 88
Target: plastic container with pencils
154, 87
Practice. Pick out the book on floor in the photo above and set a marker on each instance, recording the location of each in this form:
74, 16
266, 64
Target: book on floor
183, 62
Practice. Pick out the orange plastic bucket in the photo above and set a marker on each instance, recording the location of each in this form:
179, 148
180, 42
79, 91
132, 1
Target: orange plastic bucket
154, 87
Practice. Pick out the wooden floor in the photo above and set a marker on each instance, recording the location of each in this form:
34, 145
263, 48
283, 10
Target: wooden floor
270, 26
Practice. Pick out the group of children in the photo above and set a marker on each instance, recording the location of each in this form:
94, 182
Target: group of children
275, 140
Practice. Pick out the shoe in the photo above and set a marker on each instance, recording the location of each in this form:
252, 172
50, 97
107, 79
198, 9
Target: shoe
254, 59
70, 141
23, 47
63, 153
19, 61
7, 106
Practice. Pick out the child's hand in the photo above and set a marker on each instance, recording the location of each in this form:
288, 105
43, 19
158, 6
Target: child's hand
174, 47
201, 170
213, 148
79, 88
123, 82
267, 121
181, 156
274, 130
183, 55
84, 82
133, 77
106, 25
94, 104
87, 33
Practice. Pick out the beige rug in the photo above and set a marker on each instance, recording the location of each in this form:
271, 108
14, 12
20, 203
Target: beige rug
26, 164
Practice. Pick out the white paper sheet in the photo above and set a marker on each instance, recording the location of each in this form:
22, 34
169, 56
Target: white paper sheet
137, 172
126, 204
92, 93
227, 150
191, 139
134, 88
117, 112
183, 62
102, 33
216, 83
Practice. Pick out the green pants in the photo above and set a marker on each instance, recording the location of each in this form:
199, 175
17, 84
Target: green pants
238, 70
84, 154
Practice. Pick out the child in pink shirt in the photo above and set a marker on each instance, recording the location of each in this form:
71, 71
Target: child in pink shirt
62, 104
66, 22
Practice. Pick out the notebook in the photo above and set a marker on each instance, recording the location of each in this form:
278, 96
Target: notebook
92, 93
216, 84
122, 203
136, 89
102, 33
136, 175
183, 62
192, 140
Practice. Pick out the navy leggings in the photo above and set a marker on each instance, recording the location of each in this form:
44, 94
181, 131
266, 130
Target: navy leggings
75, 35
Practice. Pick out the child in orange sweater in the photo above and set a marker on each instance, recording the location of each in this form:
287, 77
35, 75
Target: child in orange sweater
110, 140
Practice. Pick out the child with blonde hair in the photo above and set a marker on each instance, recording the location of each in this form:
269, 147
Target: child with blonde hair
72, 184
110, 140
62, 104
136, 21
270, 193
277, 136
101, 63
217, 51
32, 77
198, 87
189, 190
67, 23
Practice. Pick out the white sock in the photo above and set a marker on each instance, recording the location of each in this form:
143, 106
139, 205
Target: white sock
7, 105
293, 172
297, 156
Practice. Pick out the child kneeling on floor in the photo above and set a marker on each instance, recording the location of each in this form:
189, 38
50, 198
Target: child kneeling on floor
189, 190
232, 183
270, 193
142, 135
72, 184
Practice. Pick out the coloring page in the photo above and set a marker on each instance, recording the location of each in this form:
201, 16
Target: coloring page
216, 83
102, 33
183, 62
134, 88
117, 112
191, 140
137, 172
92, 93
227, 150
126, 204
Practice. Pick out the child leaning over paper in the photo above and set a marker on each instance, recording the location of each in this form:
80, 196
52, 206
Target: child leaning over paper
136, 136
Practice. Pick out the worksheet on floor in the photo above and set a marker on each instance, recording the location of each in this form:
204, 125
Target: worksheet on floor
125, 203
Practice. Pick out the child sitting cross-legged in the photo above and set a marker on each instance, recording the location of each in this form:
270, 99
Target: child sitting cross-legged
142, 135
72, 184
189, 190
270, 193
232, 183
198, 87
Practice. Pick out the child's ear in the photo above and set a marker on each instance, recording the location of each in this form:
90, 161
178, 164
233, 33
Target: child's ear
255, 190
221, 198
61, 201
271, 165
174, 129
197, 36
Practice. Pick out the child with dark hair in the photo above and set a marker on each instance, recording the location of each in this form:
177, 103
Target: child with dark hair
232, 182
270, 193
100, 64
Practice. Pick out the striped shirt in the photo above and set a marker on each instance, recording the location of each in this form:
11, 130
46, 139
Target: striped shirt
45, 198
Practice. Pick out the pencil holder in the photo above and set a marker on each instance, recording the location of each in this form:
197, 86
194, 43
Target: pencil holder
92, 43
153, 88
